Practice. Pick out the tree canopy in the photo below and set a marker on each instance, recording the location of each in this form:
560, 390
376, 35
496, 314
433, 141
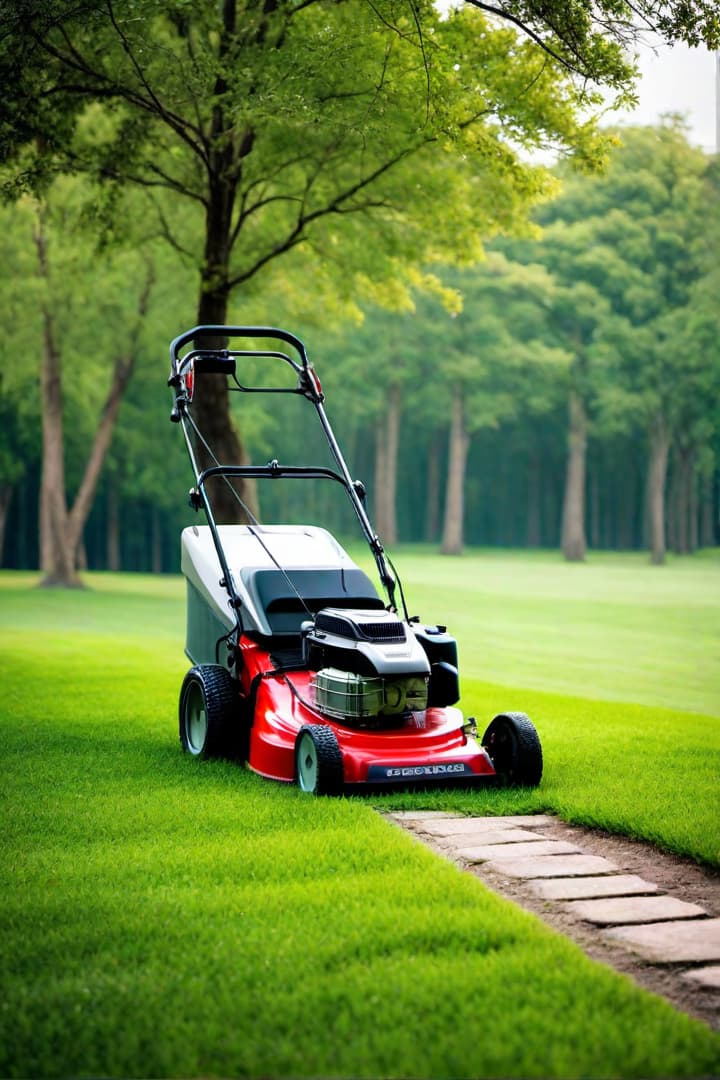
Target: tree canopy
595, 41
368, 138
325, 154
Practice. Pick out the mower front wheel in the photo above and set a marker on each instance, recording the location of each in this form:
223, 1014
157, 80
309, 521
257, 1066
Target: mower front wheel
514, 748
210, 713
318, 760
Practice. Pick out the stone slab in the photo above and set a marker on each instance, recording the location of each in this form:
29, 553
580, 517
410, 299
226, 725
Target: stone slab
488, 836
504, 852
451, 825
420, 815
590, 888
695, 941
549, 866
633, 909
709, 976
530, 820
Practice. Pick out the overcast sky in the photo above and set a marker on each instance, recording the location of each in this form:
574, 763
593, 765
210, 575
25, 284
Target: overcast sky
677, 79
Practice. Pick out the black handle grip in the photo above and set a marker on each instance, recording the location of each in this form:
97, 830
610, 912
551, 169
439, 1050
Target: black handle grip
213, 331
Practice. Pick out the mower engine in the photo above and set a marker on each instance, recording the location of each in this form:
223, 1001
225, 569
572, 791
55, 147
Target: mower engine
371, 669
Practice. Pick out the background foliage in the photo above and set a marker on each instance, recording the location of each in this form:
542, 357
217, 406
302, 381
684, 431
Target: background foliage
550, 371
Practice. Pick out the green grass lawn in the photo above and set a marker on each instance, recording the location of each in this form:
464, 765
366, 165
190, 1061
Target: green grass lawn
166, 917
614, 628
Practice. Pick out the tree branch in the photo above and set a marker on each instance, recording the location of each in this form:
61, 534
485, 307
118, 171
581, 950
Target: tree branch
106, 87
537, 38
336, 205
168, 235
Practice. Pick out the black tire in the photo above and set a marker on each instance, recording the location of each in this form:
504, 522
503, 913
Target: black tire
514, 748
318, 760
211, 715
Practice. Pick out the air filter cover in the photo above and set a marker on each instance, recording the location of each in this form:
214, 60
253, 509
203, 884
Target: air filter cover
377, 626
345, 695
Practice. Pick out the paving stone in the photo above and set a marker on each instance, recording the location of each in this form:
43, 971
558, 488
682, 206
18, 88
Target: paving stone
589, 888
708, 977
450, 825
549, 866
531, 820
672, 942
633, 909
486, 836
471, 826
498, 852
420, 815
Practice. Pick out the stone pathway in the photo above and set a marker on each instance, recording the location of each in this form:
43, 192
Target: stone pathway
648, 924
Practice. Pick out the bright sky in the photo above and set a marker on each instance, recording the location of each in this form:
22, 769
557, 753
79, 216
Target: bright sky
677, 79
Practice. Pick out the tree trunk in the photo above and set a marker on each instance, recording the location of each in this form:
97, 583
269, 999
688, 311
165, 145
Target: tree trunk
238, 502
5, 498
113, 528
53, 509
103, 437
393, 446
386, 461
227, 147
455, 493
432, 497
672, 505
684, 472
573, 520
657, 473
57, 556
379, 490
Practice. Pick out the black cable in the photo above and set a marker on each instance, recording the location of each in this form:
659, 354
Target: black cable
251, 517
253, 521
398, 582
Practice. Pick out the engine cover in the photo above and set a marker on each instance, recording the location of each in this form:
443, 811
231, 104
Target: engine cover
364, 642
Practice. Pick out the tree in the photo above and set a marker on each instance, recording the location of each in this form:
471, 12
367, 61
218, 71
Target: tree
577, 314
625, 247
81, 330
473, 369
387, 369
373, 137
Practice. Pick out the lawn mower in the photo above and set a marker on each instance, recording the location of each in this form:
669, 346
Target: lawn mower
301, 667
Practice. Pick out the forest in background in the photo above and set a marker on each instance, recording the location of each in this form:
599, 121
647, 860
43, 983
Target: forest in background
600, 334
494, 382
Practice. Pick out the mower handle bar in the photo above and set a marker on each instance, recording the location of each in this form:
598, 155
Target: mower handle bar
223, 357
222, 361
272, 471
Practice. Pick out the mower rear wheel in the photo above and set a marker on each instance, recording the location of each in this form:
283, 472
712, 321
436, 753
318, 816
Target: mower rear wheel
318, 760
514, 748
210, 713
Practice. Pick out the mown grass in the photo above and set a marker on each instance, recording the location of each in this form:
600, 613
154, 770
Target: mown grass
614, 628
652, 774
164, 917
